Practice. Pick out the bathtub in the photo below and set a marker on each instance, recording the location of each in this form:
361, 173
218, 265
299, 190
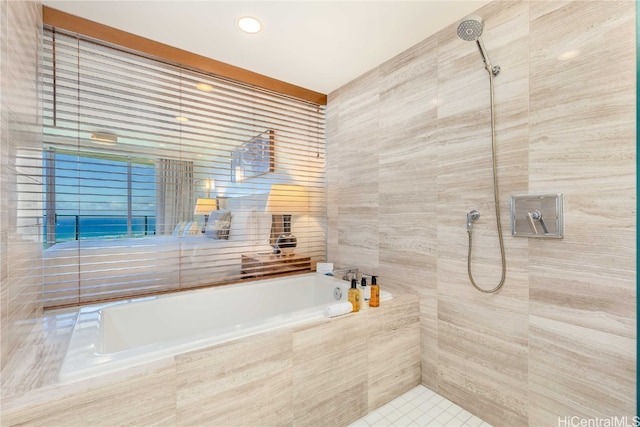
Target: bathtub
119, 335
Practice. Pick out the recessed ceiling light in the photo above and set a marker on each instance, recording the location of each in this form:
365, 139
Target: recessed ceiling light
205, 87
249, 24
182, 119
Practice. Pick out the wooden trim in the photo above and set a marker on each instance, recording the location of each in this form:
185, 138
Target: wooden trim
58, 19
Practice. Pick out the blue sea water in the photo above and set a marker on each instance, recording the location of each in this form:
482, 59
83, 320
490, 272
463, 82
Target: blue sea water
96, 227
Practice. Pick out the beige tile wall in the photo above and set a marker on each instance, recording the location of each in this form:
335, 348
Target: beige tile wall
582, 140
20, 140
409, 154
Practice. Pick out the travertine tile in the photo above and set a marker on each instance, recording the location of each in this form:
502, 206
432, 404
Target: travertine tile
330, 372
357, 174
241, 383
146, 399
573, 367
429, 339
562, 126
37, 360
408, 123
393, 358
251, 381
583, 291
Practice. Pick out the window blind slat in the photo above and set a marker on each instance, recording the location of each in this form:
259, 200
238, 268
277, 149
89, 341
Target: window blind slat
117, 208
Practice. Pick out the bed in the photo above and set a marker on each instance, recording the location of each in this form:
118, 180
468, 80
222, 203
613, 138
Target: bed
85, 271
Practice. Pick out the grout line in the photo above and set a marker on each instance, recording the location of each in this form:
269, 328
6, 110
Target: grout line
419, 407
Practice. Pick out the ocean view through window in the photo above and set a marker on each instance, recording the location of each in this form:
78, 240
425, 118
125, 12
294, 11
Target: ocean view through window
98, 196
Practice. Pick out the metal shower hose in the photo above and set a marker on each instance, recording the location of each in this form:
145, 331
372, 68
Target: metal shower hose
496, 203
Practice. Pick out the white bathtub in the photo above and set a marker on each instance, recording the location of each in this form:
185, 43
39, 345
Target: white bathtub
115, 336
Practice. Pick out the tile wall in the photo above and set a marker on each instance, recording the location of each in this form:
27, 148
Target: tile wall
20, 148
409, 154
331, 372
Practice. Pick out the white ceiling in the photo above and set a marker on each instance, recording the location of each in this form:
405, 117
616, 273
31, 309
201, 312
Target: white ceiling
318, 45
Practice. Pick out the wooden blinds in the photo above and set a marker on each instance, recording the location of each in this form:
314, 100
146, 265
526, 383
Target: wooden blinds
157, 177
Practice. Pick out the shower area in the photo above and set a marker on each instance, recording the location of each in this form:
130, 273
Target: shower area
409, 148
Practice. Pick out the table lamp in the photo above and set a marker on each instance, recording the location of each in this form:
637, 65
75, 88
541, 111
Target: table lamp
287, 200
204, 207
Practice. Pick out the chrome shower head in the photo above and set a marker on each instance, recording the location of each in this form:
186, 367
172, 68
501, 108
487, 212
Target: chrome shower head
470, 28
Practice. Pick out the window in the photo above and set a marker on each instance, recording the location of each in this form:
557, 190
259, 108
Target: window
98, 196
158, 176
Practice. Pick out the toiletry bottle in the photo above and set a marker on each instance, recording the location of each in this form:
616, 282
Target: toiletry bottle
354, 295
375, 293
366, 290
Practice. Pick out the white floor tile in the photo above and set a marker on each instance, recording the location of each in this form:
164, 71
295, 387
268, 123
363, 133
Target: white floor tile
428, 393
373, 417
415, 413
424, 420
419, 401
455, 422
444, 418
399, 402
464, 415
420, 407
395, 416
474, 421
444, 404
404, 421
436, 398
386, 409
413, 393
454, 410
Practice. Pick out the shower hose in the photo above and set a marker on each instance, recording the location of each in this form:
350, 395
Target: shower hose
496, 203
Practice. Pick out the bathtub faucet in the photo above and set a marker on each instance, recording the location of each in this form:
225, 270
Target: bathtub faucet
349, 275
346, 273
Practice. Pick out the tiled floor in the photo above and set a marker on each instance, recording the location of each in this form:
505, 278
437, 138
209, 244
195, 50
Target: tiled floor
420, 407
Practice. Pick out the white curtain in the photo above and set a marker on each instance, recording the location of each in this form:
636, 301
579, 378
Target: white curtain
175, 193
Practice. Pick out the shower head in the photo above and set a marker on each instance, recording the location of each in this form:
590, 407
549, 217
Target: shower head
470, 28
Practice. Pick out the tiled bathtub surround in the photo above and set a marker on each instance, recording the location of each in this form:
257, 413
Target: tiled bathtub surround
409, 154
330, 372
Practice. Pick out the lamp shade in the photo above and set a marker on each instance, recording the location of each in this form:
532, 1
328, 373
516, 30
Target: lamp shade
287, 199
205, 206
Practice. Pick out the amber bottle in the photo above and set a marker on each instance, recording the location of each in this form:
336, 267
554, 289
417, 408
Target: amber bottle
354, 295
375, 293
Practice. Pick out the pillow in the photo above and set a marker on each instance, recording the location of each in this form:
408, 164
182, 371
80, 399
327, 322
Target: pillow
190, 229
263, 234
218, 225
243, 226
251, 226
177, 231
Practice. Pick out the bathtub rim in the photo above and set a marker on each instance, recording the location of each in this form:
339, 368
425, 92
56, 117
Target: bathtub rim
83, 361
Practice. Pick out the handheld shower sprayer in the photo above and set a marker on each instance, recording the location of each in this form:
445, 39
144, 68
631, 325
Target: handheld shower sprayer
470, 29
